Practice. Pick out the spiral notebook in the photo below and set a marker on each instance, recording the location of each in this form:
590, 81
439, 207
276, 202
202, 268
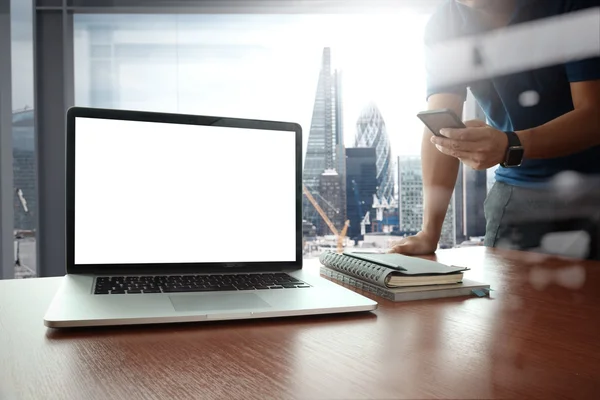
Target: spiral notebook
410, 293
392, 270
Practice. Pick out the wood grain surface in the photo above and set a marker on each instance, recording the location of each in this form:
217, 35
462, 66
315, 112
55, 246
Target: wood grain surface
538, 336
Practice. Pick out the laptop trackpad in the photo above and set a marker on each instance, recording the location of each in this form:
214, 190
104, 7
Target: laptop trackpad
217, 302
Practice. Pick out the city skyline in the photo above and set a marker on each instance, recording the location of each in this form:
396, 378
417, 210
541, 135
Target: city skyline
212, 68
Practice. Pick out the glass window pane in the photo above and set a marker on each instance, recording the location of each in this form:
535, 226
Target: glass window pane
347, 87
24, 160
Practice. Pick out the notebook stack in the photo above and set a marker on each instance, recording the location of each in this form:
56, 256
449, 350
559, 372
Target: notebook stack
399, 278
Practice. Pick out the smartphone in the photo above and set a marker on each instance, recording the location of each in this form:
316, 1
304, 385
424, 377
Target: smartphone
436, 120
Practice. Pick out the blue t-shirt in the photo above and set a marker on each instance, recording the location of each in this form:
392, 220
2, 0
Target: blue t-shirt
499, 96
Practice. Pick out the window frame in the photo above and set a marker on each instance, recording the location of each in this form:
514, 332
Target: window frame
7, 261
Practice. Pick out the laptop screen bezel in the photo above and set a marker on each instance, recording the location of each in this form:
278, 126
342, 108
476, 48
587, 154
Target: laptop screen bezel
195, 267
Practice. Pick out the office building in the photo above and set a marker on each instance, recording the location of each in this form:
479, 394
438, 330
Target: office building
371, 132
386, 217
331, 191
325, 151
410, 199
361, 185
448, 234
410, 195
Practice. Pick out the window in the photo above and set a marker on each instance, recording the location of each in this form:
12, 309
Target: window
23, 136
352, 81
317, 70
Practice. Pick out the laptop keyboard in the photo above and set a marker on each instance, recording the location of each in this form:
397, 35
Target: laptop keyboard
195, 283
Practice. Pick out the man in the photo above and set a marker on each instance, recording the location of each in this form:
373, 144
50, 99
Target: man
560, 133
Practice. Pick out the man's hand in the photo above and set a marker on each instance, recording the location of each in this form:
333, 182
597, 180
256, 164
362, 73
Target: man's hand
420, 244
479, 145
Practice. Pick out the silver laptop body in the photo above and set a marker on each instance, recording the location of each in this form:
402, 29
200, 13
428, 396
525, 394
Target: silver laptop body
180, 218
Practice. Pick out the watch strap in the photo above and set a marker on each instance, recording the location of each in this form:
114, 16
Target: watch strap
513, 139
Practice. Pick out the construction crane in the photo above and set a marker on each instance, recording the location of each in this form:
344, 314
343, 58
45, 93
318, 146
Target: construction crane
324, 200
340, 235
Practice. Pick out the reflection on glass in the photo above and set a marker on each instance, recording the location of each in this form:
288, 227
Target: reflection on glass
23, 133
342, 77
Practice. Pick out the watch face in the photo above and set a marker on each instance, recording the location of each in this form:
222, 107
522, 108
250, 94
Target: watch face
514, 157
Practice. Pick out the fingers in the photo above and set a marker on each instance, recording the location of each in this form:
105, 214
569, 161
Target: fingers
465, 135
459, 134
454, 153
473, 160
396, 249
458, 145
475, 123
472, 132
396, 244
406, 248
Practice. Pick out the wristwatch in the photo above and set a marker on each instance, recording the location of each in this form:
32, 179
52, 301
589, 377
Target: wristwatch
514, 151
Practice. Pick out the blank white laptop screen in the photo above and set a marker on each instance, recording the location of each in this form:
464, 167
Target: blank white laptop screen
148, 192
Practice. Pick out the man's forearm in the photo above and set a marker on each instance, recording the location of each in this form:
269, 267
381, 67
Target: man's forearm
439, 179
571, 133
439, 171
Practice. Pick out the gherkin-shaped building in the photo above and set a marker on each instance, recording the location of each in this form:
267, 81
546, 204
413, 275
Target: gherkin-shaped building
371, 132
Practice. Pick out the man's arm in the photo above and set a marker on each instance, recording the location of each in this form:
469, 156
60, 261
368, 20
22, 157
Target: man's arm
439, 177
439, 171
481, 146
571, 133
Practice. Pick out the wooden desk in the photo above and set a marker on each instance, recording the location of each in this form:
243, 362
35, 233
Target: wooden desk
537, 337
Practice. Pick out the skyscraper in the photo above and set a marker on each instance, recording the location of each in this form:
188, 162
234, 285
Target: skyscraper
448, 236
325, 151
410, 195
371, 132
331, 194
361, 185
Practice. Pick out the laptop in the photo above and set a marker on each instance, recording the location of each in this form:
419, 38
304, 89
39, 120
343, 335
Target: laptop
181, 218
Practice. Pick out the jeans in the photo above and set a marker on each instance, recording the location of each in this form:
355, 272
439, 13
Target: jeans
561, 220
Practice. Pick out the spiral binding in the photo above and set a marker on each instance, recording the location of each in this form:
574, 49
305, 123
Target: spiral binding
361, 269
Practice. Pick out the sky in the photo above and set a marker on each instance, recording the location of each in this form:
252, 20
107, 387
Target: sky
261, 66
22, 53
